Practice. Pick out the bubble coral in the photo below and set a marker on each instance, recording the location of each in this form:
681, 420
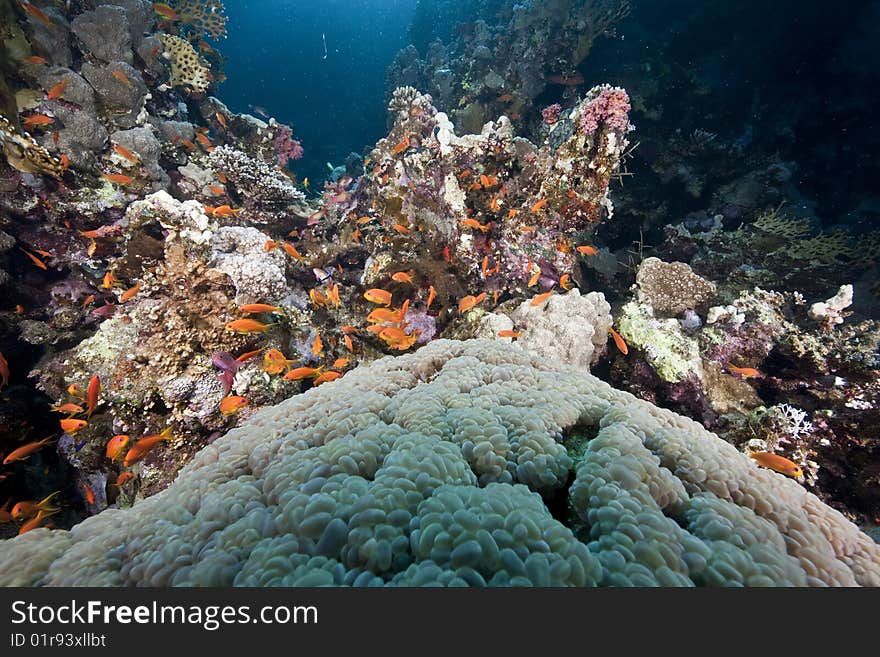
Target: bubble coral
383, 489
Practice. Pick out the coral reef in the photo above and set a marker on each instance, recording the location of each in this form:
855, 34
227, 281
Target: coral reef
384, 490
506, 58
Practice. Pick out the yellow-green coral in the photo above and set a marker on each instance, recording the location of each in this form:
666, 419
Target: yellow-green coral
187, 69
775, 234
670, 352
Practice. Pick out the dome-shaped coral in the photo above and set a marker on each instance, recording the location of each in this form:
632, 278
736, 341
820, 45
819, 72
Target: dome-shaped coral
442, 467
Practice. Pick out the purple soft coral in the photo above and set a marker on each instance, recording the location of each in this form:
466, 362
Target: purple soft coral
551, 113
609, 107
286, 147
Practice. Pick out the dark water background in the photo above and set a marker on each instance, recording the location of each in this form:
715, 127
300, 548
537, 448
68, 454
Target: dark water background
275, 61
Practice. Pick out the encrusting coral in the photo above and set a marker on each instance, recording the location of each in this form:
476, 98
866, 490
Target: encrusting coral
432, 471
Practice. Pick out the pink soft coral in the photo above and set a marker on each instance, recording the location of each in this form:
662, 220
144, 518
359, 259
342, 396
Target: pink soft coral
610, 106
551, 113
286, 147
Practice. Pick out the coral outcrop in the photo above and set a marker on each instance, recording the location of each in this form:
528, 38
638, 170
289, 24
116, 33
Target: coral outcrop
432, 471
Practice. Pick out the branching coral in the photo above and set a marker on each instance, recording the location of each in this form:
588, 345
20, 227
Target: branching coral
383, 489
257, 182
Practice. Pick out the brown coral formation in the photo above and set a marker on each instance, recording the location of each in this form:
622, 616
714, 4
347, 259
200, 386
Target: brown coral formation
671, 287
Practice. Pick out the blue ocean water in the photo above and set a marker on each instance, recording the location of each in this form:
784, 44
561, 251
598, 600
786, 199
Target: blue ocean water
335, 104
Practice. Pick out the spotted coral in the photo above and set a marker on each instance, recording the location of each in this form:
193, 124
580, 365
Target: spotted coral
382, 489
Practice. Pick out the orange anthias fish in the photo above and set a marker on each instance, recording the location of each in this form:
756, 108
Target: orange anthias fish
619, 342
432, 294
348, 343
397, 338
142, 447
290, 249
245, 326
318, 345
333, 294
117, 178
587, 250
381, 315
302, 373
534, 279
34, 59
259, 308
26, 450
274, 362
473, 223
341, 363
35, 522
777, 463
89, 300
165, 11
540, 204
746, 372
108, 281
217, 190
124, 152
221, 120
326, 376
402, 146
232, 405
75, 391
565, 281
541, 298
56, 90
469, 301
269, 245
37, 13
70, 409
71, 426
4, 371
35, 120
509, 334
34, 259
225, 211
204, 142
248, 355
122, 77
402, 277
116, 446
23, 510
378, 296
318, 299
92, 394
130, 293
89, 493
122, 479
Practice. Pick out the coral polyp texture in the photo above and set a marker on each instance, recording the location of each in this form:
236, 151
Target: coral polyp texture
439, 467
